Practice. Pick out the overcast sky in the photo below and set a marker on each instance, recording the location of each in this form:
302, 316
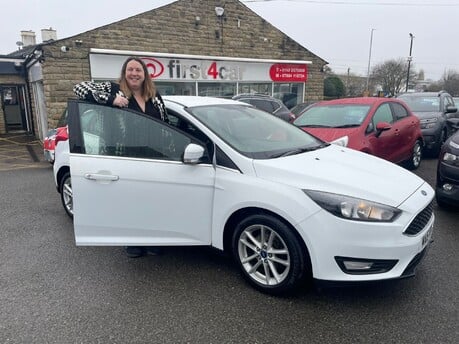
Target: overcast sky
339, 31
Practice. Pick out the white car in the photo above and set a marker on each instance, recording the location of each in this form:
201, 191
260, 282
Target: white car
62, 179
285, 204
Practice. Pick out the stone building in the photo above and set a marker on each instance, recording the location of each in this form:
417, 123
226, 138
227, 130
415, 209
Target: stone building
204, 47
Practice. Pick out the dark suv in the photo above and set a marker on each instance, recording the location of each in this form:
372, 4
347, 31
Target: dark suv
433, 109
267, 103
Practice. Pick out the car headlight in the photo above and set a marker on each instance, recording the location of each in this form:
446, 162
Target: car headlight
450, 159
353, 208
342, 141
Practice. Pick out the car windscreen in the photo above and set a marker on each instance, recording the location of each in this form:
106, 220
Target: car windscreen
253, 132
333, 116
421, 103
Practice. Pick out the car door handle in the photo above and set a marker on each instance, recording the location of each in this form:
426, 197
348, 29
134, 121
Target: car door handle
103, 177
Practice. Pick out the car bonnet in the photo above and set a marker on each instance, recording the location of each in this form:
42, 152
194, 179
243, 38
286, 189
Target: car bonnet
331, 134
342, 171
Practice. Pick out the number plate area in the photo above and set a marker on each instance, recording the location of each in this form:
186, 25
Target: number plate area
427, 236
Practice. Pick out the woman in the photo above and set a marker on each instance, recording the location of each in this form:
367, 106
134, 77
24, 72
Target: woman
135, 91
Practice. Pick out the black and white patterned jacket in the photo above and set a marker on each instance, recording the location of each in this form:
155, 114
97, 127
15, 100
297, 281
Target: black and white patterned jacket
106, 92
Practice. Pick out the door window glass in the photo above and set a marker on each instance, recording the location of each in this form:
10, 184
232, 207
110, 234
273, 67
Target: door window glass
399, 111
116, 132
383, 114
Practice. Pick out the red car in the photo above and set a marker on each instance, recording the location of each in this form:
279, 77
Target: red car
384, 127
49, 142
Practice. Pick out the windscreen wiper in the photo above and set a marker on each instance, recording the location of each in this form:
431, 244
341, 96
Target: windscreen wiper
300, 150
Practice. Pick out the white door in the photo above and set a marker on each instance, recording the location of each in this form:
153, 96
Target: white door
130, 186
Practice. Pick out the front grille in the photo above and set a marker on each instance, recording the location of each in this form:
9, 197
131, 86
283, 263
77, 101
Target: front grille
420, 221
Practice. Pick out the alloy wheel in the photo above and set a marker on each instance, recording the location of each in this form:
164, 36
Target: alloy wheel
264, 255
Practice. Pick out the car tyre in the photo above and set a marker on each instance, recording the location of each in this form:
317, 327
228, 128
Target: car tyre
416, 155
65, 189
269, 254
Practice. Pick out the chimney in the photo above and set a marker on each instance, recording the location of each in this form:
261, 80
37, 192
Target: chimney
28, 38
48, 35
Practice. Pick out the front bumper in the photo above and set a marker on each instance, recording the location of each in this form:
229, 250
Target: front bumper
328, 237
448, 174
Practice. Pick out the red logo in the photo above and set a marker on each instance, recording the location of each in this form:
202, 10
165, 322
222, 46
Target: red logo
288, 72
155, 68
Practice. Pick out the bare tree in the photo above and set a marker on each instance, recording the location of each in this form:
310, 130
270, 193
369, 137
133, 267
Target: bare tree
450, 82
391, 75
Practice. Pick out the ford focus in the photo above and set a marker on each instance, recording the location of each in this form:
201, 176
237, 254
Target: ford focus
285, 204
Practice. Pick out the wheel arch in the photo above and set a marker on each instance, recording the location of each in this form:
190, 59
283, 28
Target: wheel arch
60, 174
240, 214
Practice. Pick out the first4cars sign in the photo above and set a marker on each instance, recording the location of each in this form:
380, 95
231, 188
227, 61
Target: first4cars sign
188, 68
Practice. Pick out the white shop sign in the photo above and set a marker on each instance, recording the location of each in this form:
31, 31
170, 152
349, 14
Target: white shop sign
174, 67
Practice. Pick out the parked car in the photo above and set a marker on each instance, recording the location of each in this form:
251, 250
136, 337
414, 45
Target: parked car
231, 176
433, 109
49, 142
447, 186
384, 127
61, 169
267, 103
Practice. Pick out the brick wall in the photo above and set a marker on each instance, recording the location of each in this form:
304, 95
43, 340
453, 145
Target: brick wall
172, 29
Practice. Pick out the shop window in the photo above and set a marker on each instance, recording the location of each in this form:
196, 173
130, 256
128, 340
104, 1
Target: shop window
217, 89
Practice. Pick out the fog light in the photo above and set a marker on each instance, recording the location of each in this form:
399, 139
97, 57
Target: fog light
359, 266
447, 187
350, 265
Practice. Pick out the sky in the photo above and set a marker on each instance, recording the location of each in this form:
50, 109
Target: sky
348, 34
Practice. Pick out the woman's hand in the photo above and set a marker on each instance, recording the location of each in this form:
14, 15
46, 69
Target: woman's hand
120, 101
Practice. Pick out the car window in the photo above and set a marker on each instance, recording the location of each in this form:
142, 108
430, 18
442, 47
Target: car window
333, 116
422, 103
263, 105
399, 111
448, 102
276, 106
383, 114
253, 132
118, 132
63, 119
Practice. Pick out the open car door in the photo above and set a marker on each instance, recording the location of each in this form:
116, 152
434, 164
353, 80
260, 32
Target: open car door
130, 184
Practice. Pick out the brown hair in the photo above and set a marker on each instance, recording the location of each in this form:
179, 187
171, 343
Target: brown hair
148, 87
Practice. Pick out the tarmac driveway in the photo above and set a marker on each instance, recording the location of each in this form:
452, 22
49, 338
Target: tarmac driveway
20, 151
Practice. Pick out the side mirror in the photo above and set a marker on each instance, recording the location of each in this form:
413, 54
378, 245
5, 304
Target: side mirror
193, 154
451, 109
382, 126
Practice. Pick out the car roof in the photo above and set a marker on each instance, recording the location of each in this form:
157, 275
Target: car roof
190, 101
357, 100
421, 94
256, 96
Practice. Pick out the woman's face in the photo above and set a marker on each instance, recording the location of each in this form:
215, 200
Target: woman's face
134, 75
